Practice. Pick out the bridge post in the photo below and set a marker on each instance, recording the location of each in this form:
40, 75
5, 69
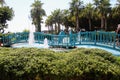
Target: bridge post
114, 38
95, 33
3, 39
75, 36
68, 41
79, 35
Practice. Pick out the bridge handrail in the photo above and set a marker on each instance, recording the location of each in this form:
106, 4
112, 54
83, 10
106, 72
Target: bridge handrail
94, 37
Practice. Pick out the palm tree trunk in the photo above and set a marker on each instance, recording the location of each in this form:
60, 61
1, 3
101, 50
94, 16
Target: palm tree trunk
39, 27
49, 29
90, 24
58, 27
106, 24
55, 28
66, 27
102, 23
36, 28
52, 28
77, 22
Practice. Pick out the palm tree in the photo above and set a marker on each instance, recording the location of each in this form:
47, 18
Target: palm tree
75, 7
57, 19
116, 14
118, 2
117, 8
2, 2
88, 12
36, 14
103, 8
49, 23
65, 19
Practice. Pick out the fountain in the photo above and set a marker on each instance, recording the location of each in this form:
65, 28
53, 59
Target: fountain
31, 38
61, 39
31, 42
45, 45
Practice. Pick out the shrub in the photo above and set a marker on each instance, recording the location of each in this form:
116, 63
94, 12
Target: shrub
44, 64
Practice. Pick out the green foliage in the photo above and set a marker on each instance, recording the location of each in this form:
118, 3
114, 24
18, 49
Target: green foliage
118, 58
99, 14
37, 12
43, 64
25, 30
6, 14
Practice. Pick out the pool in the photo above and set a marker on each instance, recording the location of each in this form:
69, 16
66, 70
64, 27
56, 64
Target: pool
27, 45
36, 45
114, 52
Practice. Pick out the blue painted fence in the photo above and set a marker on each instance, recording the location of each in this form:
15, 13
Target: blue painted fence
100, 38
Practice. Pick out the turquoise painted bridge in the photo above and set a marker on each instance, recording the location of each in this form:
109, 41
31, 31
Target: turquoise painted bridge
99, 38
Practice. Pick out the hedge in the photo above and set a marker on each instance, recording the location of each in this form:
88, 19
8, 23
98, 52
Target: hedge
44, 64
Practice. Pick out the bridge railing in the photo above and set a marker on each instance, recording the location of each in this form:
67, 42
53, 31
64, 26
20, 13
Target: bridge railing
101, 38
106, 39
118, 41
12, 38
86, 38
63, 40
39, 37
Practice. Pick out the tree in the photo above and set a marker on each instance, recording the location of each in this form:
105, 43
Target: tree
49, 23
88, 12
75, 7
6, 14
2, 2
118, 2
117, 7
65, 19
115, 15
57, 19
36, 14
103, 8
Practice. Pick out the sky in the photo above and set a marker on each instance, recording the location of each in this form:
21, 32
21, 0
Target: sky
22, 9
